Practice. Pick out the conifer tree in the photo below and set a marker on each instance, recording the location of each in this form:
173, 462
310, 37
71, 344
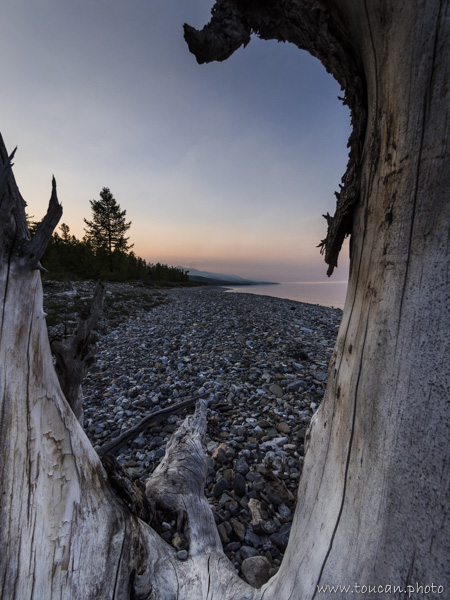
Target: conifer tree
108, 227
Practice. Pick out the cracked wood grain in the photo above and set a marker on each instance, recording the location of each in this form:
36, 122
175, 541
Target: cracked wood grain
373, 494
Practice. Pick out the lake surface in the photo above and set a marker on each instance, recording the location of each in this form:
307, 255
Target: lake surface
326, 293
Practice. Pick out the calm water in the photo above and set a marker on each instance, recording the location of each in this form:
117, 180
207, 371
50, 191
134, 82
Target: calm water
326, 293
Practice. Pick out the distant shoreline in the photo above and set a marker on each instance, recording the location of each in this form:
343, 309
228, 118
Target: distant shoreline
226, 282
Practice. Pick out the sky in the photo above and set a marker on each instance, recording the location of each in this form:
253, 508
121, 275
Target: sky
224, 167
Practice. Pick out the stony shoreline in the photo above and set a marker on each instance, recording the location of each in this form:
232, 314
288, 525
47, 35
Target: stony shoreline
262, 360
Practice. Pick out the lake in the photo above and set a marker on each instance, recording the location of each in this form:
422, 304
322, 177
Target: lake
326, 293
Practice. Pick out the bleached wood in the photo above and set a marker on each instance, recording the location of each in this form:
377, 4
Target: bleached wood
373, 505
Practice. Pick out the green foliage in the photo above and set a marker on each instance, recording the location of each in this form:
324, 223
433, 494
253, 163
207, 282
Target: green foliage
67, 257
106, 232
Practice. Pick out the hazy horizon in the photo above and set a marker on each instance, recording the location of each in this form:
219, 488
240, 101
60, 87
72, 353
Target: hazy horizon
226, 273
226, 167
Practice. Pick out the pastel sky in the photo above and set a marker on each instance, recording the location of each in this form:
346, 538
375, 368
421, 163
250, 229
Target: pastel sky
224, 167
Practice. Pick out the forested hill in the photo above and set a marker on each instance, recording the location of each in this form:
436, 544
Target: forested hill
67, 257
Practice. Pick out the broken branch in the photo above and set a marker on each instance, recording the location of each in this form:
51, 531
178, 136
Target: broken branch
36, 247
132, 432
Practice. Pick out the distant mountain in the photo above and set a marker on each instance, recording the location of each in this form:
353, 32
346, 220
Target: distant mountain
220, 278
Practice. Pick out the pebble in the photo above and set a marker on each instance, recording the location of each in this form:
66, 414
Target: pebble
262, 360
239, 485
256, 570
221, 486
242, 466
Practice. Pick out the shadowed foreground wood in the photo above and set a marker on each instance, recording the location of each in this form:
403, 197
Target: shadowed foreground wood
74, 355
373, 506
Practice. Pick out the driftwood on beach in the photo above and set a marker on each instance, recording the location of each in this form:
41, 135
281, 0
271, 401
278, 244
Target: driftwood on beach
154, 417
373, 505
74, 354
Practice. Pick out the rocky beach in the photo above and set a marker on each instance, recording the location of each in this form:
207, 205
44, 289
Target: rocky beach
260, 362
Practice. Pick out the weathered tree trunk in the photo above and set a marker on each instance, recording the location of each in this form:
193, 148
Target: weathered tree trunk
64, 531
372, 506
74, 355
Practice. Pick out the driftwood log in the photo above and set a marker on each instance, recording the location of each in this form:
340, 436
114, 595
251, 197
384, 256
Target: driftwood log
146, 422
373, 504
74, 354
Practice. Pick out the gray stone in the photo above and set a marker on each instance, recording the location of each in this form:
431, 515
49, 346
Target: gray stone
281, 538
272, 496
252, 539
221, 456
223, 534
284, 427
256, 570
291, 448
228, 475
238, 529
284, 511
320, 376
269, 527
211, 447
227, 527
242, 466
232, 546
247, 551
294, 386
276, 390
253, 476
239, 484
301, 434
182, 554
139, 443
224, 498
220, 487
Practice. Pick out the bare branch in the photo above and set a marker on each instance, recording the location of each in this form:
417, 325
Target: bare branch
40, 268
132, 432
36, 247
5, 171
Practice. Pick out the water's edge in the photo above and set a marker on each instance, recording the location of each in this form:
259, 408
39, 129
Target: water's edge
327, 293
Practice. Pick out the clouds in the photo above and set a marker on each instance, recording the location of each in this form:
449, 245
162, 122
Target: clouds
213, 160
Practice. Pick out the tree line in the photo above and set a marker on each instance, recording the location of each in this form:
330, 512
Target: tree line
104, 252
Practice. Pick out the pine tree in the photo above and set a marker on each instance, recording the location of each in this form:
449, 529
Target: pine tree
108, 227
